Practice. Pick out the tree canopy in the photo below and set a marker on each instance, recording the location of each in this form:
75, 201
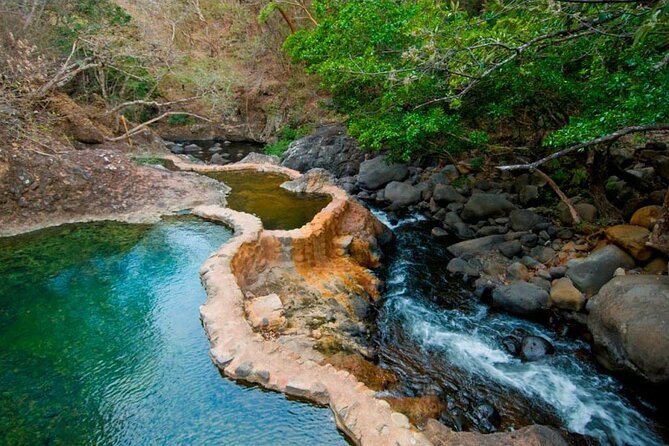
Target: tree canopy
419, 76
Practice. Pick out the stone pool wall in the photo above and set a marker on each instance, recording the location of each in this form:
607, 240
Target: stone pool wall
339, 241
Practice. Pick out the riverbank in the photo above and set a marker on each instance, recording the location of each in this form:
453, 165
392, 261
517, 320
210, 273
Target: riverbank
40, 190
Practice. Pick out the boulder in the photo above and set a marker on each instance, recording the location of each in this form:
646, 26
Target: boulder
629, 322
377, 172
471, 268
646, 216
265, 312
586, 211
438, 232
534, 435
565, 295
591, 273
521, 298
330, 148
524, 220
543, 254
482, 206
444, 194
470, 248
632, 239
401, 194
177, 149
259, 158
656, 266
528, 194
511, 248
216, 158
517, 271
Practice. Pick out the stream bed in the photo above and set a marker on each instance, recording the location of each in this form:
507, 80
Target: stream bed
101, 343
442, 340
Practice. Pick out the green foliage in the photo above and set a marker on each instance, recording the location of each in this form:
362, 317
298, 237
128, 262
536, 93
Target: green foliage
285, 136
417, 76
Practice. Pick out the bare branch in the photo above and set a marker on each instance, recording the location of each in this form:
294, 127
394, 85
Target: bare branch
572, 210
562, 35
601, 140
142, 126
149, 103
665, 60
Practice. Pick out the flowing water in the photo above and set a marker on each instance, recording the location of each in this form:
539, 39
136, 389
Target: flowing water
259, 193
441, 339
101, 343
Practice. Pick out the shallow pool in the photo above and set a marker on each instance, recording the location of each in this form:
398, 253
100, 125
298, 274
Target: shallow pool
101, 343
259, 193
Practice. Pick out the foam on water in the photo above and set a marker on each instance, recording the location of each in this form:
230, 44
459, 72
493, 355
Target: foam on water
587, 401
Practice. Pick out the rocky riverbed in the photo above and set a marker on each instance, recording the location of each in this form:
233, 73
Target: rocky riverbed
606, 286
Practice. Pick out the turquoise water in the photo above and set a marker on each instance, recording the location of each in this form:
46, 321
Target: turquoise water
101, 343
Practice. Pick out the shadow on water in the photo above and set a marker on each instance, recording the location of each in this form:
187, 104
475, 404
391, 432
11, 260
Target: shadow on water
259, 193
101, 343
442, 340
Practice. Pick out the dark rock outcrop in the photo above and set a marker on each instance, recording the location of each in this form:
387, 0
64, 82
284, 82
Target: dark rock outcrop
330, 148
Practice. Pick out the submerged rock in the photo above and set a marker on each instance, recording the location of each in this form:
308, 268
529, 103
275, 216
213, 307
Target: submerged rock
629, 322
533, 348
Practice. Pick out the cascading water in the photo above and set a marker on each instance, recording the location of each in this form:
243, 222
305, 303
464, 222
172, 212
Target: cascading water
441, 339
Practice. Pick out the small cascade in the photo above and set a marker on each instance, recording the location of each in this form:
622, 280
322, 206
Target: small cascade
441, 339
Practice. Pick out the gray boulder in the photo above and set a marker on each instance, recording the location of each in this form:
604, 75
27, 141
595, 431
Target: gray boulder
401, 194
444, 194
524, 219
330, 148
376, 173
482, 206
217, 158
470, 248
471, 268
510, 248
521, 298
591, 273
629, 321
259, 158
